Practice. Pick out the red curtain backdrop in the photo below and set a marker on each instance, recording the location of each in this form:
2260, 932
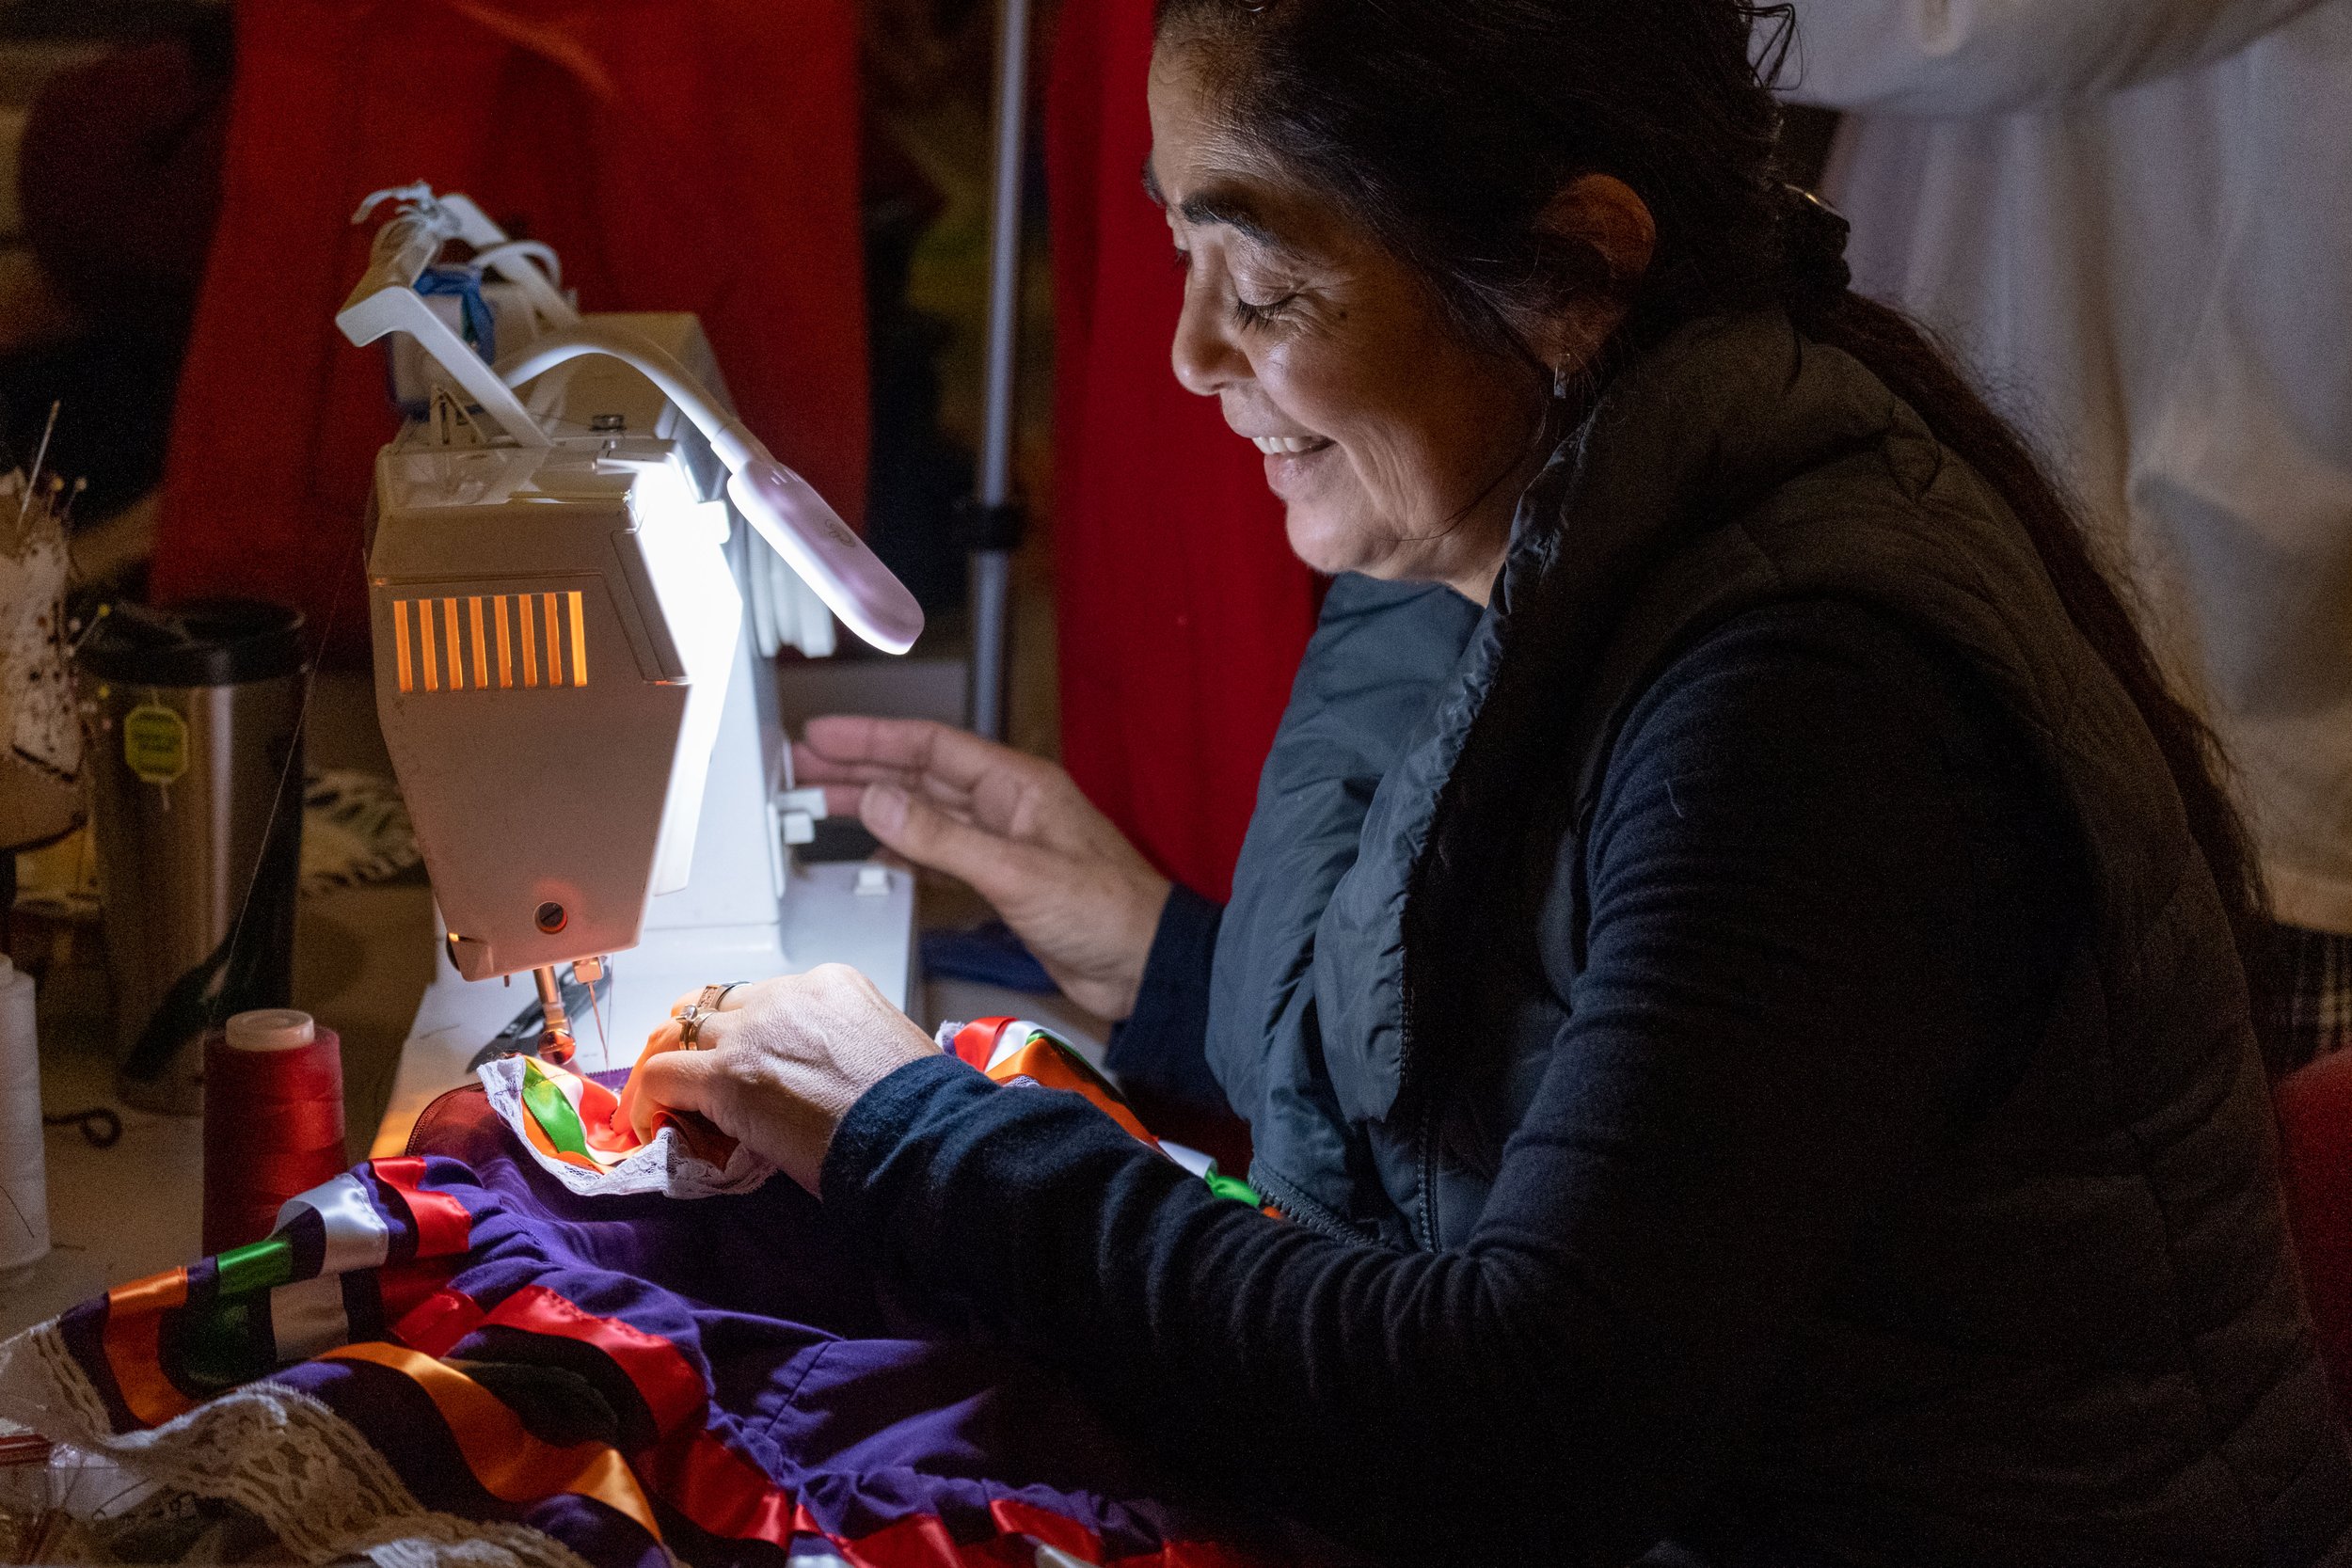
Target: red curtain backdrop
679, 154
1182, 611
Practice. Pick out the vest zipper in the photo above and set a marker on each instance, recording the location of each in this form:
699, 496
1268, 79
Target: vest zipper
1425, 1154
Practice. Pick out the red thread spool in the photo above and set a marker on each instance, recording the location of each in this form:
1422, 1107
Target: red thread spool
273, 1120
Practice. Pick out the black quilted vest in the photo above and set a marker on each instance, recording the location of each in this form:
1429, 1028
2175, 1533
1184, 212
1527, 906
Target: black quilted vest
2094, 1324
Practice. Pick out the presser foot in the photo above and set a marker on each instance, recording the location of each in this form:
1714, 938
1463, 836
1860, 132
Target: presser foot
525, 1032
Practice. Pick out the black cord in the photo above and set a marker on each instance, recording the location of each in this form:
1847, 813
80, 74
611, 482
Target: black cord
100, 1126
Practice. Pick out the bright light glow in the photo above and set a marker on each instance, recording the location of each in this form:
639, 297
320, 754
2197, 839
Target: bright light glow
784, 508
580, 641
481, 647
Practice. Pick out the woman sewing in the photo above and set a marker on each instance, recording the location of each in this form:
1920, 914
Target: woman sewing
1733, 980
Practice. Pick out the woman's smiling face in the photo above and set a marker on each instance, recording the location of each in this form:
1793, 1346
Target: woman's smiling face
1399, 450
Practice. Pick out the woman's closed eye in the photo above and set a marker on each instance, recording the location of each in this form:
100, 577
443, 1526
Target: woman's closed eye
1249, 315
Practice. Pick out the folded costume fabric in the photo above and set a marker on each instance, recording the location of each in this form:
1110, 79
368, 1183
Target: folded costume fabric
454, 1354
1013, 1050
566, 1122
1020, 1055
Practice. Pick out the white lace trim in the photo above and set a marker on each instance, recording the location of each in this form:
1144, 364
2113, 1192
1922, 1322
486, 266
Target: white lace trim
42, 1387
663, 1165
445, 1540
301, 1469
278, 1453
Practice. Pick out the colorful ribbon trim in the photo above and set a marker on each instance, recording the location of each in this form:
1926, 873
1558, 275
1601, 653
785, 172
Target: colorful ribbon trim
577, 1120
554, 1124
443, 1227
691, 1469
511, 1464
133, 1339
1015, 1050
168, 1341
358, 1236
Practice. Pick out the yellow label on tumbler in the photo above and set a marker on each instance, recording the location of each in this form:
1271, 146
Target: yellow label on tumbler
155, 743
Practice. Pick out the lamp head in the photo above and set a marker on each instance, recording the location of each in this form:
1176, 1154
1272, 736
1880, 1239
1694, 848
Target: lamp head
790, 513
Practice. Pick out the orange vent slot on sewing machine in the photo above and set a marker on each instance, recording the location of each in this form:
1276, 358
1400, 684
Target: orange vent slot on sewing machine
472, 642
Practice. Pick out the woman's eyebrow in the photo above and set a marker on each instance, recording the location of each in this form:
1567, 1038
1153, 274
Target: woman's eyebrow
1213, 205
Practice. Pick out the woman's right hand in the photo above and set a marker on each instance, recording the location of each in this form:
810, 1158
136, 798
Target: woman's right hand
1012, 825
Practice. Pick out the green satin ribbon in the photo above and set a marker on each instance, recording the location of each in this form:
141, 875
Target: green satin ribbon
1231, 1187
553, 1111
261, 1265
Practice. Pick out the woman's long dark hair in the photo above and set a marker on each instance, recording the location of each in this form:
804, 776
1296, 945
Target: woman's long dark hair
1446, 127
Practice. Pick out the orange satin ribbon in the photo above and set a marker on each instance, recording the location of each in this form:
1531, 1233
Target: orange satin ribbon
505, 1457
134, 1340
1044, 1064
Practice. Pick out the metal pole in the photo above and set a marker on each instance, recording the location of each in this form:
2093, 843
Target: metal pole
991, 626
991, 564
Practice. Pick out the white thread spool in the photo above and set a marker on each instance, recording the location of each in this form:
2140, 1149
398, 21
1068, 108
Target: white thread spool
271, 1029
24, 1177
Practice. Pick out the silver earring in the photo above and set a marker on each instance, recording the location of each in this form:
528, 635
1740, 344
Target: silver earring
1560, 383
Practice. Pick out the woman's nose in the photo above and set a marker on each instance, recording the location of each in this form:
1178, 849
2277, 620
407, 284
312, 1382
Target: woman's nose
1206, 359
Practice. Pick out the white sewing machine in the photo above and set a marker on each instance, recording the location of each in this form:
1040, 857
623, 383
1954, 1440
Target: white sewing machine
587, 739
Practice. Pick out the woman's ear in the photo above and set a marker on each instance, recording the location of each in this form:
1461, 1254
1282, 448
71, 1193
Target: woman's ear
1601, 214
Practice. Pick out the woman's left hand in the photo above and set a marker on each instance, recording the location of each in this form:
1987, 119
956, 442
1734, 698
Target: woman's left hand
779, 1065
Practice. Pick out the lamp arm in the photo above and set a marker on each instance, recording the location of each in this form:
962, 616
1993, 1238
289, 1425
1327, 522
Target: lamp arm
782, 507
733, 443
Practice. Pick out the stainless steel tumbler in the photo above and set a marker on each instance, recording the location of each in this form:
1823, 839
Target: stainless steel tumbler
195, 765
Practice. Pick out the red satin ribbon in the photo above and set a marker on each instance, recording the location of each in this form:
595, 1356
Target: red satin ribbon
693, 1470
273, 1128
444, 1228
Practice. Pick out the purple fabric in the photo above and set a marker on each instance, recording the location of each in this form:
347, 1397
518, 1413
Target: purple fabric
811, 1377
